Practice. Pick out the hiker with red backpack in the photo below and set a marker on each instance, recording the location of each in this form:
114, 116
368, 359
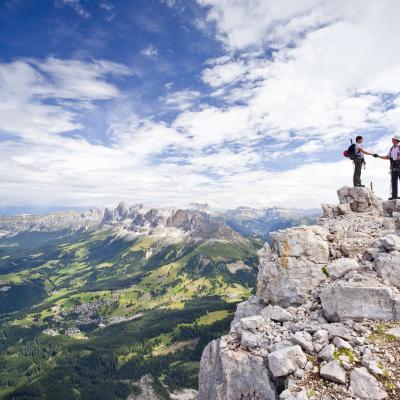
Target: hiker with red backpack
394, 156
356, 153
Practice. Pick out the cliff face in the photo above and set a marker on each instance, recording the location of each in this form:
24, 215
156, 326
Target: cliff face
323, 324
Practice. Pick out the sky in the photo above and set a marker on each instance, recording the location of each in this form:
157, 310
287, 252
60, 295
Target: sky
168, 102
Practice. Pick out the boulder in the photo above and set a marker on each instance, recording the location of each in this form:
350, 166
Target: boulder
360, 199
327, 353
390, 242
249, 308
276, 313
394, 332
287, 360
333, 372
235, 375
289, 395
364, 386
341, 266
309, 242
341, 343
304, 340
248, 339
252, 323
286, 281
388, 267
358, 300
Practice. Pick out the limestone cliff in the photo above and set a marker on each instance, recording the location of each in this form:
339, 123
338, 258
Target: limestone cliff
324, 323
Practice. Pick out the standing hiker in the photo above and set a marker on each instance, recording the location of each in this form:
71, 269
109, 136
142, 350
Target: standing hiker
394, 156
356, 153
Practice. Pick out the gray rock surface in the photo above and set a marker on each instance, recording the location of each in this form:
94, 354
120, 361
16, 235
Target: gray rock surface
390, 242
388, 267
283, 362
276, 313
359, 300
394, 332
341, 266
327, 353
360, 199
333, 372
235, 375
299, 309
295, 267
365, 386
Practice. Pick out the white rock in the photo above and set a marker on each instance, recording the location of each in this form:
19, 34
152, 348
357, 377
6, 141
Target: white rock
388, 267
394, 332
252, 323
285, 361
321, 336
360, 300
342, 344
365, 386
248, 339
391, 242
289, 395
341, 266
227, 374
333, 372
304, 340
295, 267
276, 313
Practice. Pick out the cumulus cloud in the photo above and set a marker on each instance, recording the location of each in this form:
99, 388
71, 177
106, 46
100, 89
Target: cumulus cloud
150, 51
34, 94
76, 5
294, 81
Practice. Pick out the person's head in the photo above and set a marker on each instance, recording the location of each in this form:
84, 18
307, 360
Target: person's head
359, 139
396, 140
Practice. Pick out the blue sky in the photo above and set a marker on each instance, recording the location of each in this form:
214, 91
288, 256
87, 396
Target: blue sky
167, 102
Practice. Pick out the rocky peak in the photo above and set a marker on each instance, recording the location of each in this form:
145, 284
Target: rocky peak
322, 291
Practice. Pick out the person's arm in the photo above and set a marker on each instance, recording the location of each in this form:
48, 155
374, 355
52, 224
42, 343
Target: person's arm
366, 152
384, 157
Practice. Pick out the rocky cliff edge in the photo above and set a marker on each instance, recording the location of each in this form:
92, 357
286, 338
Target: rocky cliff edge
325, 321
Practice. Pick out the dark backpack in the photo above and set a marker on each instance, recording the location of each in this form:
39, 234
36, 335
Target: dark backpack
351, 152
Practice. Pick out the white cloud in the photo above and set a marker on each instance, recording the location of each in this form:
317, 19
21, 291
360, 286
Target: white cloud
150, 51
76, 5
34, 94
182, 99
295, 78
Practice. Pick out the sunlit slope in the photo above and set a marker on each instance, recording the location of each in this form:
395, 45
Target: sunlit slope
101, 300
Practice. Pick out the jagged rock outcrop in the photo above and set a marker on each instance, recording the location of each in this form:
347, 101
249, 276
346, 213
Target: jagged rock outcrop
234, 375
321, 292
294, 267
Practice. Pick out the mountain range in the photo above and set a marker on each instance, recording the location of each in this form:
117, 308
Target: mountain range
91, 301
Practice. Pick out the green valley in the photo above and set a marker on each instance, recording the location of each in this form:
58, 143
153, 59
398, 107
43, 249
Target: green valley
86, 313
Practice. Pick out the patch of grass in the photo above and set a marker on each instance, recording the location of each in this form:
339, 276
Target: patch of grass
345, 352
213, 316
325, 270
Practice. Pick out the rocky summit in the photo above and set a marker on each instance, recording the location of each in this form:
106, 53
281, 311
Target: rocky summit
325, 321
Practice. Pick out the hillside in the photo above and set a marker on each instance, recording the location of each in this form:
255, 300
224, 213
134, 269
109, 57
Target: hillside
325, 322
91, 302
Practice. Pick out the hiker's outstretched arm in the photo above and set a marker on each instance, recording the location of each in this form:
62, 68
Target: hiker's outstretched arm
384, 157
366, 152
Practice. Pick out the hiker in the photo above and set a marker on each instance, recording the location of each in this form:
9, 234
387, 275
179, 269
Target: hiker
394, 156
358, 159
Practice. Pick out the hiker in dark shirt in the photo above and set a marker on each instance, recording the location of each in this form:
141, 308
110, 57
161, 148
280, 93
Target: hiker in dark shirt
359, 161
394, 156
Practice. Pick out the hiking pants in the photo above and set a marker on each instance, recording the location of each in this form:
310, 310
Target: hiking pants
395, 179
358, 163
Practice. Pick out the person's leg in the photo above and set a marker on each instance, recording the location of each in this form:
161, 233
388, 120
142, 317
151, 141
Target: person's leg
358, 162
395, 178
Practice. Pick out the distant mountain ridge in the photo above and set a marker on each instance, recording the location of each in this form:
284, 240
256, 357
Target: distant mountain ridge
141, 219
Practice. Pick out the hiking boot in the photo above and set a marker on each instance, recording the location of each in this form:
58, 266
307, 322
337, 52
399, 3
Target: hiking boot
393, 198
359, 186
